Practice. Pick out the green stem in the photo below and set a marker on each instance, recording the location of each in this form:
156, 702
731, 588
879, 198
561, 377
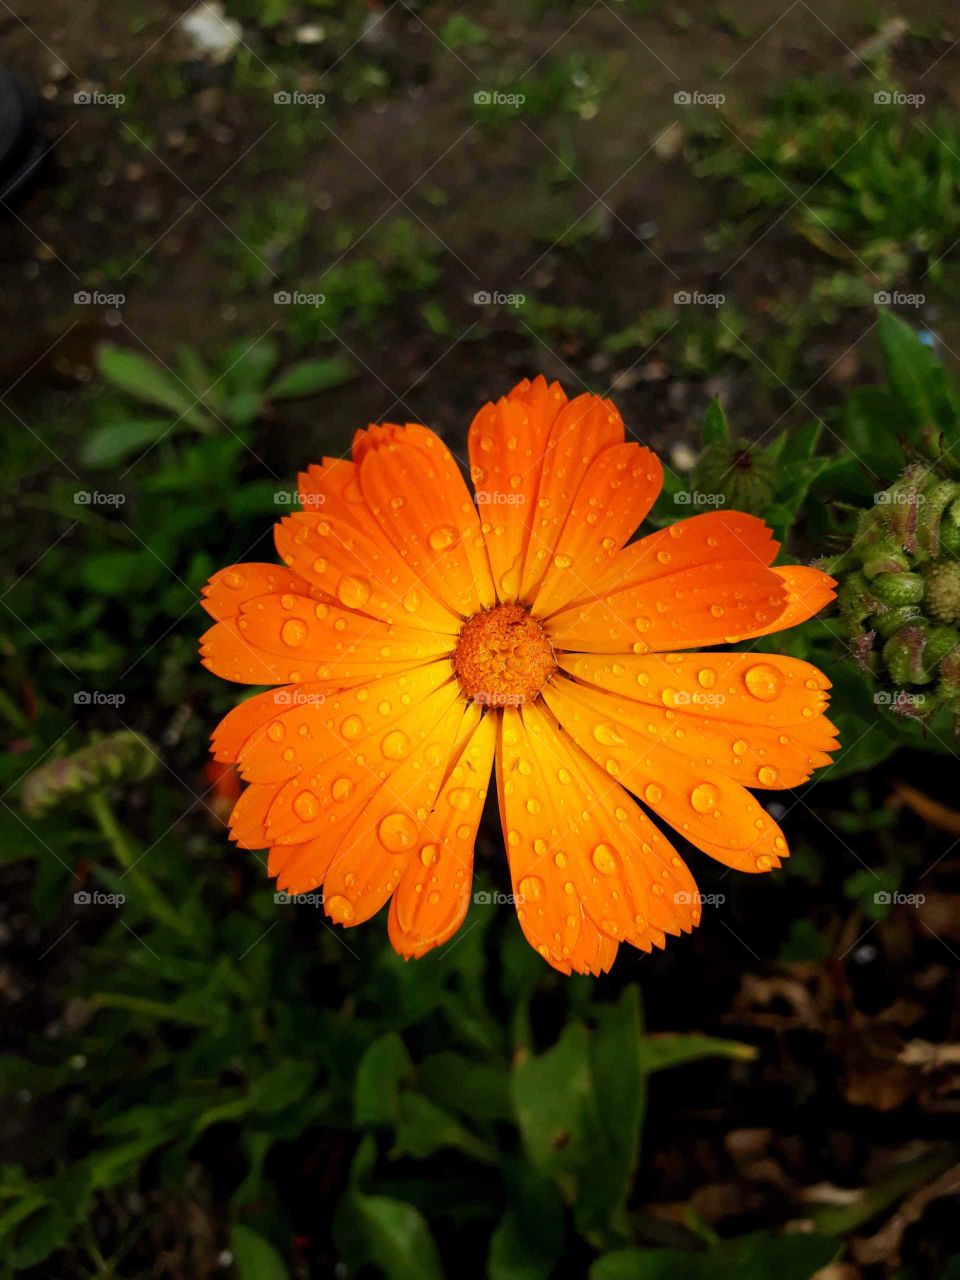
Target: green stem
119, 844
12, 712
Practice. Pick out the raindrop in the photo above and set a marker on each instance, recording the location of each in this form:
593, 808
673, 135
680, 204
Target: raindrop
763, 682
397, 832
604, 859
293, 632
306, 805
704, 797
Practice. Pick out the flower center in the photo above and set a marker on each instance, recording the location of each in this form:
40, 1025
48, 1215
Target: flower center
503, 657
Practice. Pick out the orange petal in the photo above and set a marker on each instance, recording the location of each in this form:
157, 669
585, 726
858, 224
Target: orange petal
583, 858
231, 588
414, 488
616, 493
745, 688
507, 441
359, 570
581, 430
389, 833
710, 538
702, 605
240, 723
712, 811
330, 643
360, 724
808, 591
434, 891
352, 753
227, 653
248, 819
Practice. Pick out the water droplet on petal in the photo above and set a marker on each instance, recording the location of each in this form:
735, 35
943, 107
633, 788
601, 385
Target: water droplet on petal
442, 537
306, 805
604, 859
353, 592
395, 745
704, 797
293, 632
339, 908
397, 832
607, 734
763, 682
341, 789
531, 888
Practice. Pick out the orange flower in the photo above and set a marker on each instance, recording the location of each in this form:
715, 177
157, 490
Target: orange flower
421, 639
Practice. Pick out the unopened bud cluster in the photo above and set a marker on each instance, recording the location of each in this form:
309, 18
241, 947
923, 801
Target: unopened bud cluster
900, 590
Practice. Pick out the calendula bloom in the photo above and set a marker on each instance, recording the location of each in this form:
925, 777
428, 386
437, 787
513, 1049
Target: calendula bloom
418, 639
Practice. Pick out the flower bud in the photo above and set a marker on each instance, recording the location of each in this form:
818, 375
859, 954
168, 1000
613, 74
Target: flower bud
898, 588
118, 757
741, 472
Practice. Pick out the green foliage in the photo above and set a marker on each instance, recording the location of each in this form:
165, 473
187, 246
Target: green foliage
232, 395
870, 183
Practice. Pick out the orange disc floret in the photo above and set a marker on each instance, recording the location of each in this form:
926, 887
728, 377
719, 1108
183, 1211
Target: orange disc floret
419, 638
503, 657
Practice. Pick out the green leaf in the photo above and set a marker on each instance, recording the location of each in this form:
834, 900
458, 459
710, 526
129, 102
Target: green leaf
916, 376
247, 368
619, 1085
458, 1083
255, 1257
714, 429
312, 376
669, 1050
755, 1257
423, 1128
106, 446
866, 738
149, 383
376, 1090
554, 1106
529, 1238
388, 1234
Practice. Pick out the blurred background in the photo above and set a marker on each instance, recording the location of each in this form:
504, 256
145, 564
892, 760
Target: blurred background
230, 234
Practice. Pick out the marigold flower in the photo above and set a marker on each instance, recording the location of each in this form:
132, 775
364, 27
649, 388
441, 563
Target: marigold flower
418, 640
